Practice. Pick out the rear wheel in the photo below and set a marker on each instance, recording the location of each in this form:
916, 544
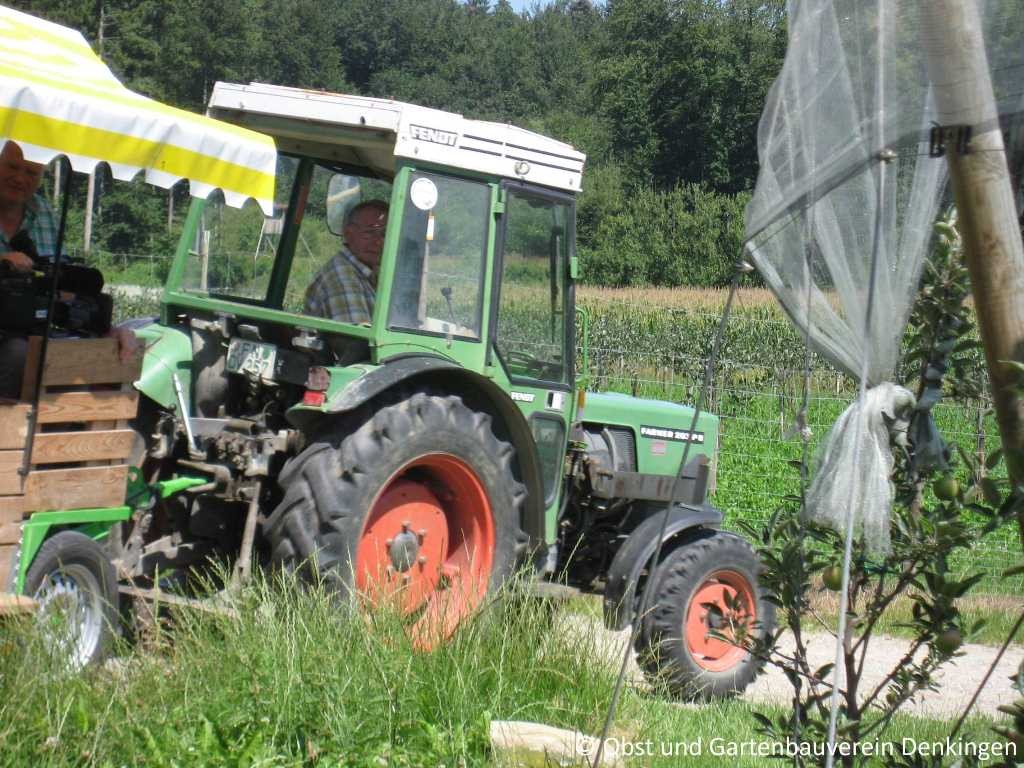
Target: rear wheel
418, 506
75, 585
704, 591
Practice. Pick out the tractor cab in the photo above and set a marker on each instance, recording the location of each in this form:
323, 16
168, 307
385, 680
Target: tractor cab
477, 252
475, 265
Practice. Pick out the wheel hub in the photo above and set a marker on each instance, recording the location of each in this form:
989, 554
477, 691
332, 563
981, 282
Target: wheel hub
404, 550
407, 538
722, 604
70, 614
428, 545
715, 618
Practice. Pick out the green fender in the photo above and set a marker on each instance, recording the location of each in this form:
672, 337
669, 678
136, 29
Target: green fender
354, 385
168, 351
94, 523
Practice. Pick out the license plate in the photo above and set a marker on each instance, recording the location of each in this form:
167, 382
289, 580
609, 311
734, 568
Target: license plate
252, 357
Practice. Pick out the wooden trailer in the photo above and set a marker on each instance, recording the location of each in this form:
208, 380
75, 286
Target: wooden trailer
81, 443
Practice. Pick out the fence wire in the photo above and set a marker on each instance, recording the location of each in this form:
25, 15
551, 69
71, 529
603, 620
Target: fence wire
758, 438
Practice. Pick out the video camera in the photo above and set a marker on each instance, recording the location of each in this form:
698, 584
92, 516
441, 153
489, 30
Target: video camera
81, 308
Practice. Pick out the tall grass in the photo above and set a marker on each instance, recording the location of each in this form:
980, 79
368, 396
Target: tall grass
684, 297
289, 677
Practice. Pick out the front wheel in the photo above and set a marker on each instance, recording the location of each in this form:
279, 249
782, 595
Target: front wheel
75, 585
418, 506
706, 602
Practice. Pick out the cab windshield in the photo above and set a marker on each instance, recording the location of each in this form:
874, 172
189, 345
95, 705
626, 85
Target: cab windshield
235, 250
442, 248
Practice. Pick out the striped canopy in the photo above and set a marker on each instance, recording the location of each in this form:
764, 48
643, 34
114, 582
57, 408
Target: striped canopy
58, 98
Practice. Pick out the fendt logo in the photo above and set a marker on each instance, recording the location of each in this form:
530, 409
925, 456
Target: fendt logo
433, 135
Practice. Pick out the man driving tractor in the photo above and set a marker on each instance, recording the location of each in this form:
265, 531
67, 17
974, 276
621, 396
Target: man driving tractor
345, 287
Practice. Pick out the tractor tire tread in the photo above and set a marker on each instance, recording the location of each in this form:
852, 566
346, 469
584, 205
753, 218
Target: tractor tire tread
325, 487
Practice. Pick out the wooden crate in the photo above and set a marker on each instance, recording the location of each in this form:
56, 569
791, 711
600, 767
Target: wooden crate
82, 437
6, 562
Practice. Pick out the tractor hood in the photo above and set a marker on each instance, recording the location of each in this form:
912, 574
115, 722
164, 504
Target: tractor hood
661, 429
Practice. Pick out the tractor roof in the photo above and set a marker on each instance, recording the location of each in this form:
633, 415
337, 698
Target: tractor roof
370, 133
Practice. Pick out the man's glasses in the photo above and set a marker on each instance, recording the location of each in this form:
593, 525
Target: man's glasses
375, 230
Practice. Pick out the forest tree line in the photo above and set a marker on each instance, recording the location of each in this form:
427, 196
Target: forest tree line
663, 96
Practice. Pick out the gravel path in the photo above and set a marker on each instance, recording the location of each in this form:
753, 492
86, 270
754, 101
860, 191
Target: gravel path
957, 681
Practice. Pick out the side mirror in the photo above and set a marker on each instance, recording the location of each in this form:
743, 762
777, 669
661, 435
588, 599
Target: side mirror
343, 193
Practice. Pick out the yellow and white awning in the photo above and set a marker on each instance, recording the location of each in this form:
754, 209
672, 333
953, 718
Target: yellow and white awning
58, 98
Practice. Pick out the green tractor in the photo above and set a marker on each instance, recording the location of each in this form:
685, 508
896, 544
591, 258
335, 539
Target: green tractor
428, 453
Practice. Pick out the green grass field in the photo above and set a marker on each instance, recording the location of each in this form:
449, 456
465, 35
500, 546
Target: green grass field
293, 680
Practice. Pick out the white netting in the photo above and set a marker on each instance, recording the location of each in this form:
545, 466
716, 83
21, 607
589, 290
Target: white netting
856, 80
866, 463
846, 184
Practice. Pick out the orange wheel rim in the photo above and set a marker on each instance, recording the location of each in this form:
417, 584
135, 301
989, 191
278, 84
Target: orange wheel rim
428, 546
723, 602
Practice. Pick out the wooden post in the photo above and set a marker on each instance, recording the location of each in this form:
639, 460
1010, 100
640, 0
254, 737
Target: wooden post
951, 34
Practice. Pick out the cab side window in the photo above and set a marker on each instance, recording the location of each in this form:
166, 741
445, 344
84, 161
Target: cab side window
531, 336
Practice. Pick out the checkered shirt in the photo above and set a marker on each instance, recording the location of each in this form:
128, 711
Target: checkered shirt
41, 225
342, 290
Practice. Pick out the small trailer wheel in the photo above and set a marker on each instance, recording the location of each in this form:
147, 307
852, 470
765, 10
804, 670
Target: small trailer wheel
75, 585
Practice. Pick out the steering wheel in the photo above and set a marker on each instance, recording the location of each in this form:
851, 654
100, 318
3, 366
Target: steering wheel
542, 369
